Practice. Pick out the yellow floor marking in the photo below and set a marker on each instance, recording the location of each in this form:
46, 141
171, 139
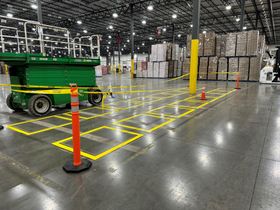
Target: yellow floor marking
119, 123
96, 157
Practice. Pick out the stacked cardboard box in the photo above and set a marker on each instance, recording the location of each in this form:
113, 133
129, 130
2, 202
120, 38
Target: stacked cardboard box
203, 66
231, 44
189, 45
212, 68
186, 66
209, 44
232, 68
241, 46
201, 45
163, 69
165, 56
244, 68
252, 45
254, 65
222, 68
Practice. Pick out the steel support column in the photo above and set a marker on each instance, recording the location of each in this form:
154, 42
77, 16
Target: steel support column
39, 11
242, 15
195, 45
133, 75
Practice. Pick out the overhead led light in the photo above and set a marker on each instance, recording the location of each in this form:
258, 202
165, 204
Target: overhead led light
179, 35
138, 48
111, 27
150, 7
133, 33
109, 42
122, 49
228, 7
237, 19
85, 31
33, 29
79, 22
144, 22
204, 32
10, 15
174, 16
164, 29
164, 42
245, 27
143, 44
115, 15
150, 38
128, 40
110, 37
34, 6
191, 25
47, 37
124, 45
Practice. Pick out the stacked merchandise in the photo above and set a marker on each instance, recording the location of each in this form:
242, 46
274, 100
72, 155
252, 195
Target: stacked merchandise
164, 61
203, 65
222, 68
141, 69
98, 71
228, 54
104, 70
212, 68
209, 44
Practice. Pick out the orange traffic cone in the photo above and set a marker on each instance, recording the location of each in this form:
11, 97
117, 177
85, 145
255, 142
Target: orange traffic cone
203, 94
237, 84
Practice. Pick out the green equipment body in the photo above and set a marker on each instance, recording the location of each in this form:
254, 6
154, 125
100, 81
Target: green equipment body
33, 72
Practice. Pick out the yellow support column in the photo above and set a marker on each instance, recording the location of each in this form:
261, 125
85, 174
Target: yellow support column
132, 69
194, 66
195, 46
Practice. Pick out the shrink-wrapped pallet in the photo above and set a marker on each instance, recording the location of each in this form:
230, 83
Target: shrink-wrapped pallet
201, 45
169, 52
163, 70
255, 68
155, 70
218, 45
209, 44
232, 68
186, 66
150, 69
154, 53
241, 44
161, 51
171, 69
223, 45
203, 66
231, 44
222, 68
252, 45
189, 44
244, 68
180, 66
175, 52
176, 65
212, 68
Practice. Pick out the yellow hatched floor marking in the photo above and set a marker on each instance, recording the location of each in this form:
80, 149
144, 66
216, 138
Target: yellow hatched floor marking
119, 123
96, 157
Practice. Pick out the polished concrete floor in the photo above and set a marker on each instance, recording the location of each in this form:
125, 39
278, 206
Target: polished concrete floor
223, 156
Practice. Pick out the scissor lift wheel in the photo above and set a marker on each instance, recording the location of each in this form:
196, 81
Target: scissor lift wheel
10, 104
95, 99
40, 105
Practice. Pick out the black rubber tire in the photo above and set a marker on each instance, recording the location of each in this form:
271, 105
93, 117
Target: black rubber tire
95, 99
33, 105
9, 102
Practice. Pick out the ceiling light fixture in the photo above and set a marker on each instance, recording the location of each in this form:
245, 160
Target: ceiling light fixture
115, 15
79, 22
150, 7
228, 7
144, 22
164, 29
174, 16
111, 27
34, 6
10, 15
85, 31
237, 19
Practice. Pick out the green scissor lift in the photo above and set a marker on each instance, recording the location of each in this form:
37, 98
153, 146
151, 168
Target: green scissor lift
35, 72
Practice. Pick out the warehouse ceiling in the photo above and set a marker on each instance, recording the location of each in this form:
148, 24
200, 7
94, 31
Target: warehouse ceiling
151, 26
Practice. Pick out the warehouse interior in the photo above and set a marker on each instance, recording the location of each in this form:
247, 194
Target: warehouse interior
140, 104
